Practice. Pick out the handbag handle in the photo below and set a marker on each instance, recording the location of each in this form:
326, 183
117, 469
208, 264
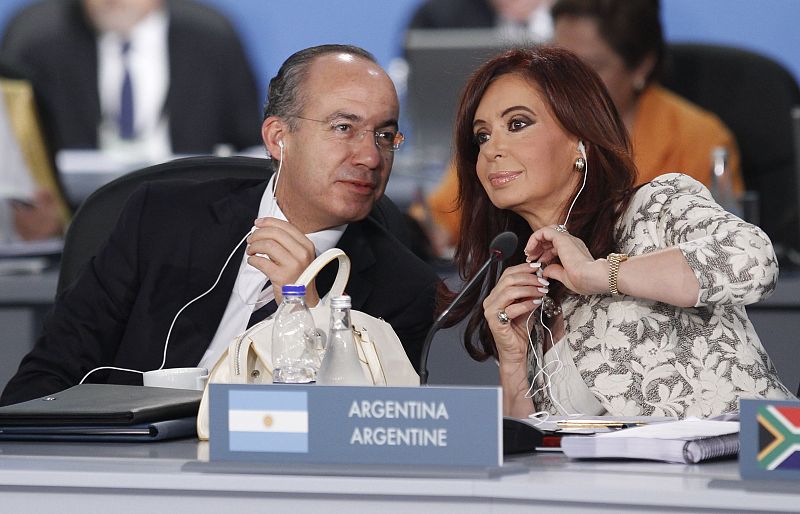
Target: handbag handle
342, 275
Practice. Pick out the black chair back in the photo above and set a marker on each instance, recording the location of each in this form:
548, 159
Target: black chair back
754, 96
97, 216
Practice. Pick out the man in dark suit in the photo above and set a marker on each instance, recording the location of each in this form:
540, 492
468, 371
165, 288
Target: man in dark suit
201, 88
331, 116
528, 17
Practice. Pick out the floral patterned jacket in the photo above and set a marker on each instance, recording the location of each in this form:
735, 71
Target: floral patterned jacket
641, 357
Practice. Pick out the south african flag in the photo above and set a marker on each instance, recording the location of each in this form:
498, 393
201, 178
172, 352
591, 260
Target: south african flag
778, 437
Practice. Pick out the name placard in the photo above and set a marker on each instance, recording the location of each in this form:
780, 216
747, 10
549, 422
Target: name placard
438, 426
769, 436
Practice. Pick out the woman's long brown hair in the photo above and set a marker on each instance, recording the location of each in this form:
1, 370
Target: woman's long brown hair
579, 101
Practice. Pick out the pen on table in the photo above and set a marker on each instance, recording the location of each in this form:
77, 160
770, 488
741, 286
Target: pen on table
595, 424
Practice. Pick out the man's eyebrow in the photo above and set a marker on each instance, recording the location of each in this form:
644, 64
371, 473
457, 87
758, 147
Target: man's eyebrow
338, 115
355, 118
391, 122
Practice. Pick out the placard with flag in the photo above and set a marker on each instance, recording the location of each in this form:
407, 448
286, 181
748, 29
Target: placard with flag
770, 439
778, 437
381, 427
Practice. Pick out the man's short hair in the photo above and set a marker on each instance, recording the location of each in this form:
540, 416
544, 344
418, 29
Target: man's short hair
285, 96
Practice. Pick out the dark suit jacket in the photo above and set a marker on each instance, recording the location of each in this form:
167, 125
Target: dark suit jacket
454, 14
212, 95
168, 247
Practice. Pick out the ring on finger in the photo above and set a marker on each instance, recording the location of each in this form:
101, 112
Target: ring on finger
502, 317
562, 228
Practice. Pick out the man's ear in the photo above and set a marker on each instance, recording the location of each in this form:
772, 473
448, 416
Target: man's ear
643, 71
273, 132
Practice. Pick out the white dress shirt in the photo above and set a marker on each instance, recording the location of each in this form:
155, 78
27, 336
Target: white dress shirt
148, 65
248, 292
539, 28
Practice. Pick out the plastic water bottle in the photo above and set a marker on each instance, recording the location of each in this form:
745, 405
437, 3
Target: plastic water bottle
341, 365
722, 181
293, 334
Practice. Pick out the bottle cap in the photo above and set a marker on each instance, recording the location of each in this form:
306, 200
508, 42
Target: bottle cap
293, 290
341, 302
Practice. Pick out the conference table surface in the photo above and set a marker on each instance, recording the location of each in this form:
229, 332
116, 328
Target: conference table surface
175, 476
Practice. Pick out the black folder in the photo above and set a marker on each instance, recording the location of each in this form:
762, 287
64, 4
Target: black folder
103, 412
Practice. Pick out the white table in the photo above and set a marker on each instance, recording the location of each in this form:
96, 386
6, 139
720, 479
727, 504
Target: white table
121, 478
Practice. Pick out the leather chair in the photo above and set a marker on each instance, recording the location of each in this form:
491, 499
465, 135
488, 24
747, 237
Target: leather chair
98, 214
754, 96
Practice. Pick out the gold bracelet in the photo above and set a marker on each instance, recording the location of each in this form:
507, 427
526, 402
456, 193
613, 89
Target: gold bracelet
614, 260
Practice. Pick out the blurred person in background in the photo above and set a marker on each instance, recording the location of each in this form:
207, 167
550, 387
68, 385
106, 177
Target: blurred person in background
622, 40
141, 79
32, 203
528, 18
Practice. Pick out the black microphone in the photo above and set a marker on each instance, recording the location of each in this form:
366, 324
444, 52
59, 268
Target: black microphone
501, 248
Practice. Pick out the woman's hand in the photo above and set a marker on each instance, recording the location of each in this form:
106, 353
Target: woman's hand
662, 275
570, 261
515, 293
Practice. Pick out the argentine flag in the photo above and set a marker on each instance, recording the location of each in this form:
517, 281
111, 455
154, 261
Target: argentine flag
268, 421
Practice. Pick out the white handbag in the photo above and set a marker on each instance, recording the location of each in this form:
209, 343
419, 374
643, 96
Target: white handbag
248, 359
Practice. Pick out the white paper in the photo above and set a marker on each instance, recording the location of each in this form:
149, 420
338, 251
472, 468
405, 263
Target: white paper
15, 177
689, 428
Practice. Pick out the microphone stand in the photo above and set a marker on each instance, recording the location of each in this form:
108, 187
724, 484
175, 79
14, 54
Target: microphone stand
426, 346
518, 436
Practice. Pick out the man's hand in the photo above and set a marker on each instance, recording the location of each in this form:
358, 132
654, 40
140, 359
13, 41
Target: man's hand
281, 252
39, 219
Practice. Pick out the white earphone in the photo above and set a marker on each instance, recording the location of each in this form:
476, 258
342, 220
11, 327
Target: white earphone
280, 166
582, 149
219, 276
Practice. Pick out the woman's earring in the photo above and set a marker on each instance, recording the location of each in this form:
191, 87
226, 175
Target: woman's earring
580, 164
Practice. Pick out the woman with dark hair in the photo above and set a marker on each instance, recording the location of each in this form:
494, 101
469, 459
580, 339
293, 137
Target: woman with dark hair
626, 301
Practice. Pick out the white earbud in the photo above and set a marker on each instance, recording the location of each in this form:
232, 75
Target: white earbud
582, 149
281, 146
